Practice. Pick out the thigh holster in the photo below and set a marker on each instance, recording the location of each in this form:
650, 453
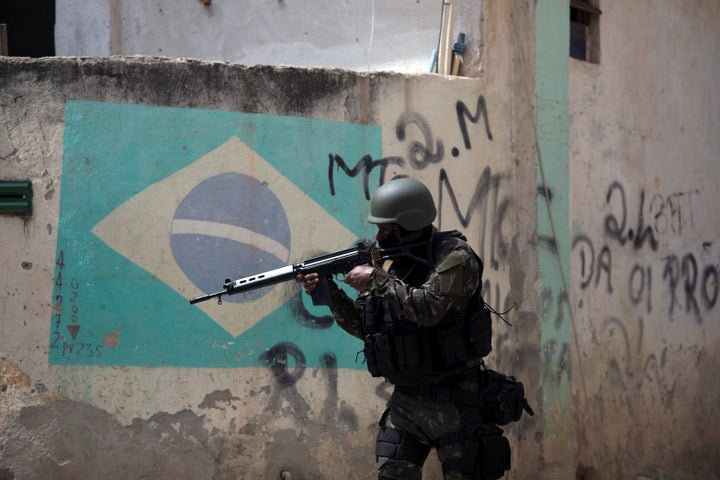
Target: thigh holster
398, 445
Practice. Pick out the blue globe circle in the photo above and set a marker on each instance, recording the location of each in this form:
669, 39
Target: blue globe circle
228, 222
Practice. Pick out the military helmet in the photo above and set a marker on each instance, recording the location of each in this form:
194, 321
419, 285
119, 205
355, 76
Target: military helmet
404, 201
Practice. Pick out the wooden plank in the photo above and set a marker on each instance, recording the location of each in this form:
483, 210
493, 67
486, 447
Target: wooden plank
3, 40
585, 6
446, 34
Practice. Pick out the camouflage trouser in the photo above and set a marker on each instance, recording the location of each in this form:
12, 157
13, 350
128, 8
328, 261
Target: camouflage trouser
427, 421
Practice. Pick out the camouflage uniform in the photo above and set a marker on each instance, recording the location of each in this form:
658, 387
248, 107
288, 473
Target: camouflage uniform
449, 285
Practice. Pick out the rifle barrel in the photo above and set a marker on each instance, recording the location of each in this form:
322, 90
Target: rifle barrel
202, 298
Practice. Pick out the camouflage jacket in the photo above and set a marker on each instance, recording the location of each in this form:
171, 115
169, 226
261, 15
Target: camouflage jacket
450, 284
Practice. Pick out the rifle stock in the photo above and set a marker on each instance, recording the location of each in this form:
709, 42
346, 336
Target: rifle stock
326, 266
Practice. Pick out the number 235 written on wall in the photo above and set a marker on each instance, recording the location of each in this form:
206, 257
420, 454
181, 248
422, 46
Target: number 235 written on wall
72, 309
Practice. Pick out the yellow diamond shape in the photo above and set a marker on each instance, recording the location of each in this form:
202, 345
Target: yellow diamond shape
140, 230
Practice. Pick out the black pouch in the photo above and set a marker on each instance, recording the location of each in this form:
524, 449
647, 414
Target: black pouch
480, 325
503, 399
378, 354
496, 456
486, 453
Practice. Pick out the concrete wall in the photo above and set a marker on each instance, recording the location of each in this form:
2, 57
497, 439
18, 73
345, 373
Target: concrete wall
645, 187
110, 373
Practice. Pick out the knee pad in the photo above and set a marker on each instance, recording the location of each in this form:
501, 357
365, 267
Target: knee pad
399, 445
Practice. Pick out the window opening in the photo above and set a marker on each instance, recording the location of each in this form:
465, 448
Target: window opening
584, 31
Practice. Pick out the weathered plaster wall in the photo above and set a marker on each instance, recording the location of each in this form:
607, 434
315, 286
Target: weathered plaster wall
645, 188
363, 36
137, 381
108, 369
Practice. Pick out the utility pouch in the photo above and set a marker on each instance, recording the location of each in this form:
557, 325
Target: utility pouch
453, 346
503, 399
495, 454
480, 326
378, 354
486, 453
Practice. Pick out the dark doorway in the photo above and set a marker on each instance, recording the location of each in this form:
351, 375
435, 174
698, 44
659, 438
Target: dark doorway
30, 27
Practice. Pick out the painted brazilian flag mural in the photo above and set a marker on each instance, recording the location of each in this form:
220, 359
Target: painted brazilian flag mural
161, 204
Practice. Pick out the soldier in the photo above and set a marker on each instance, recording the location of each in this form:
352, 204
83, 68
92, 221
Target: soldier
426, 329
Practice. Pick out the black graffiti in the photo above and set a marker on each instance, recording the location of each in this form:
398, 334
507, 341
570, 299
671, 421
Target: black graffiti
287, 362
427, 150
619, 230
691, 288
688, 286
556, 362
420, 154
304, 317
588, 265
640, 285
605, 265
279, 357
463, 112
684, 274
689, 269
328, 361
672, 212
549, 303
485, 199
667, 214
630, 370
710, 287
547, 242
587, 259
365, 165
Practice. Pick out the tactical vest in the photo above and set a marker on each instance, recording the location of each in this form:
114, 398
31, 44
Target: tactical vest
407, 354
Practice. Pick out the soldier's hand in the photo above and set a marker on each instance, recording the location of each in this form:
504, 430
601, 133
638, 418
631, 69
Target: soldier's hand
359, 277
308, 281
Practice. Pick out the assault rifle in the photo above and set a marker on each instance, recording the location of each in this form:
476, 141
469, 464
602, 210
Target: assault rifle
327, 266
